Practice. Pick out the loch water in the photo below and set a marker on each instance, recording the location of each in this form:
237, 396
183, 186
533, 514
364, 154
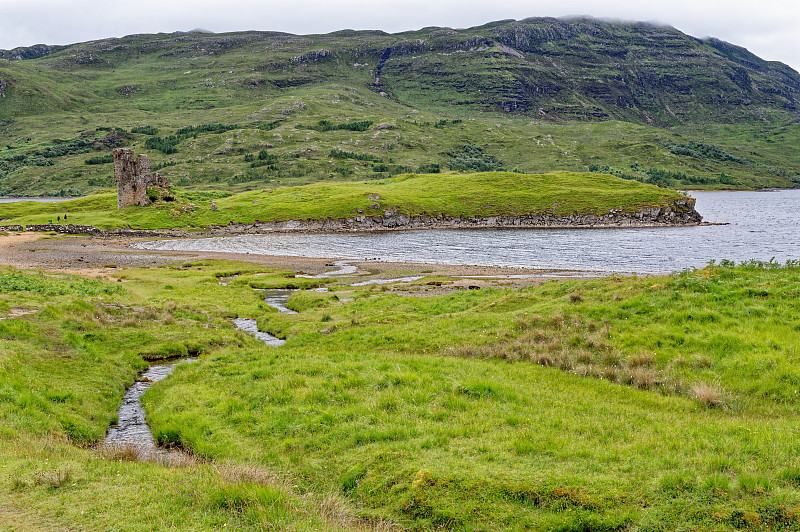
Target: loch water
15, 199
757, 225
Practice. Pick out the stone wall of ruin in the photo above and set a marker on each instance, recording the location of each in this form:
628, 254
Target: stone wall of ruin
133, 176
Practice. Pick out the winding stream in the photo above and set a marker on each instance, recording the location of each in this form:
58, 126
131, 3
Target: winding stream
131, 430
277, 299
250, 326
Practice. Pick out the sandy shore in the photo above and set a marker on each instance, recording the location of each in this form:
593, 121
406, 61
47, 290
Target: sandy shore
105, 256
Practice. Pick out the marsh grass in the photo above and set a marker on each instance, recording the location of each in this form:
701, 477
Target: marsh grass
527, 410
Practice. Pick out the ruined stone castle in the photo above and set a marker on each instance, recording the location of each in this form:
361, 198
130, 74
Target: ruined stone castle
133, 178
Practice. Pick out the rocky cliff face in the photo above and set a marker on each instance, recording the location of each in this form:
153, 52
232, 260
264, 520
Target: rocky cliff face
586, 69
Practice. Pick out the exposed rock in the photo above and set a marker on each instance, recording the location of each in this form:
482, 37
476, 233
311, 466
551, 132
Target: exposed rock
29, 52
3, 87
316, 55
133, 177
293, 108
678, 213
127, 90
113, 139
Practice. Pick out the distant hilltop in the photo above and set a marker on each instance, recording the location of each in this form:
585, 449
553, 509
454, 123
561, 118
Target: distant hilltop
240, 111
556, 69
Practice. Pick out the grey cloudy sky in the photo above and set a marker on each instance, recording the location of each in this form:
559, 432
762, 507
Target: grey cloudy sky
768, 28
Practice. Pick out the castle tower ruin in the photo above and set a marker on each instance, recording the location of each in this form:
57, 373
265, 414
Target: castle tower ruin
133, 177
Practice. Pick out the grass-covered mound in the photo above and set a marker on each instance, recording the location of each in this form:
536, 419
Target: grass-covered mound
450, 195
658, 403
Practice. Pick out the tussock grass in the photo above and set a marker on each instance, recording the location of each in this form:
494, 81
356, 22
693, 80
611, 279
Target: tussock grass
708, 395
495, 409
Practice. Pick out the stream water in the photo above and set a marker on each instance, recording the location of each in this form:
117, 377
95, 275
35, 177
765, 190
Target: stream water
249, 326
277, 299
131, 430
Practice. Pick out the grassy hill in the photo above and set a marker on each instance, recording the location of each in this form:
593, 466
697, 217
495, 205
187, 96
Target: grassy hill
433, 195
640, 101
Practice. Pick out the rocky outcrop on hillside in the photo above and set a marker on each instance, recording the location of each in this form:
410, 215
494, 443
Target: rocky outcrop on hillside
30, 52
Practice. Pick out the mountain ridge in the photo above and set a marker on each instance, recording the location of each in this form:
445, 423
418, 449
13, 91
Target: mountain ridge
562, 69
639, 100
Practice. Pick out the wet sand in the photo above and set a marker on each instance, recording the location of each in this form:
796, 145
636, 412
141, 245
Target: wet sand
104, 256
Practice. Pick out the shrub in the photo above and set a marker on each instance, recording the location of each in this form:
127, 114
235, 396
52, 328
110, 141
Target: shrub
430, 168
205, 128
471, 157
327, 125
166, 145
145, 130
100, 159
269, 126
339, 154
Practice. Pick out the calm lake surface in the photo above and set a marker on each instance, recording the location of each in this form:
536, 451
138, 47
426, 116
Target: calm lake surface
761, 225
43, 200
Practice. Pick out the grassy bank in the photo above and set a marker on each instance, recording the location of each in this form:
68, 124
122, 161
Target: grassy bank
452, 195
624, 403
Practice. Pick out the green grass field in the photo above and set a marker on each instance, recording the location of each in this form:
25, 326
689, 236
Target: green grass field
435, 195
659, 403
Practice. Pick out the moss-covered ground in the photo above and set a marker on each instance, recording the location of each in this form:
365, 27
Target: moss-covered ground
659, 403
